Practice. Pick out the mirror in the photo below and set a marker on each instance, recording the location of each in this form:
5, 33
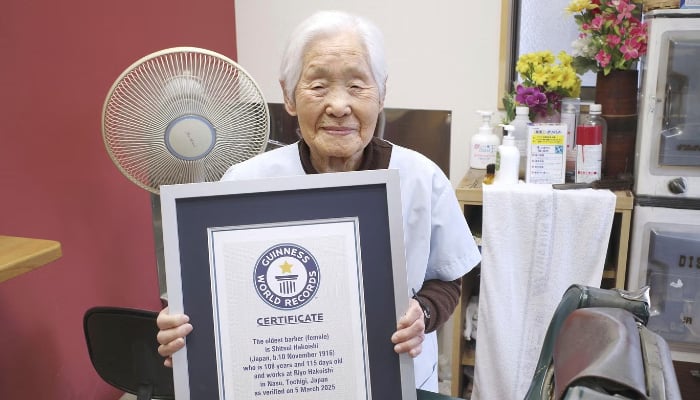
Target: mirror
530, 25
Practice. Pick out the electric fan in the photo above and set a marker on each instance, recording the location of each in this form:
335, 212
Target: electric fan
182, 115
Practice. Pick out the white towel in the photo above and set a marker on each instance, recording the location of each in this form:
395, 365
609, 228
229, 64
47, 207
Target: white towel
536, 242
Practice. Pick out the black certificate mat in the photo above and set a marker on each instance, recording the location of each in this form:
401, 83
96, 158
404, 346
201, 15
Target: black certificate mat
372, 197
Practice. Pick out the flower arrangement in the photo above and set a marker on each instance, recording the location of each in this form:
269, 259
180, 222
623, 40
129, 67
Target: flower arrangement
612, 37
545, 81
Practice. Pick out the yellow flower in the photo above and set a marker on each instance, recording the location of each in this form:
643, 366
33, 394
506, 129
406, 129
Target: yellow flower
543, 73
525, 62
570, 80
551, 74
580, 5
540, 75
565, 58
546, 56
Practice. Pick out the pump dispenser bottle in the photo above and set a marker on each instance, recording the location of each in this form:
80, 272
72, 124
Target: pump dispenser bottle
507, 159
484, 143
520, 123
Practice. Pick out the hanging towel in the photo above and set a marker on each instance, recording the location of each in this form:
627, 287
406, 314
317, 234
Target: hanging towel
536, 242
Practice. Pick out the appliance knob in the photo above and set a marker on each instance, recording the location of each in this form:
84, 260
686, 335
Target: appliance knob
678, 185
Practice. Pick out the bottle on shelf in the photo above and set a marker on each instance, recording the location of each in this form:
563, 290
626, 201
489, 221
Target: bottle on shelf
520, 123
590, 145
570, 108
490, 174
484, 143
507, 159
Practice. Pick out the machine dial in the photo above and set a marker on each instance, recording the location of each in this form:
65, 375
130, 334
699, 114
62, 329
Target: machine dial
678, 185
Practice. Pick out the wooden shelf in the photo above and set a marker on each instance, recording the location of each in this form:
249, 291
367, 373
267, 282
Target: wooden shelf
469, 191
469, 195
468, 355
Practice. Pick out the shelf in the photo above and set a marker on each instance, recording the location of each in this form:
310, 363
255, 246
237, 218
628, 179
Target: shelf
469, 195
469, 191
469, 354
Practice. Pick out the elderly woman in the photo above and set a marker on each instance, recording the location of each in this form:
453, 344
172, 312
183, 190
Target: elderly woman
333, 76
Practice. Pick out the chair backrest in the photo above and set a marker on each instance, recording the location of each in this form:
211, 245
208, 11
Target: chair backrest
124, 351
597, 345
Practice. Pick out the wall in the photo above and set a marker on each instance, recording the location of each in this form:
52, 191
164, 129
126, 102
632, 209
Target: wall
442, 55
59, 59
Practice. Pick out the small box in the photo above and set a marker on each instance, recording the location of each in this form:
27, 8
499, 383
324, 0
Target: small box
690, 3
546, 153
650, 5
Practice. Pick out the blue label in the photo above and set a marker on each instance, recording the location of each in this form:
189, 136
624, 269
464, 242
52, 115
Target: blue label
286, 276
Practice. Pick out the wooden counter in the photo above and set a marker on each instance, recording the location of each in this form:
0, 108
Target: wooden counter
19, 255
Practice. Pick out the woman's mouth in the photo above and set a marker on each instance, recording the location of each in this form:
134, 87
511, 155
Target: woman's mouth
339, 130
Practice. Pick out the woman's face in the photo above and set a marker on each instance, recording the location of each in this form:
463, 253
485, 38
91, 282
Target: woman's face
336, 102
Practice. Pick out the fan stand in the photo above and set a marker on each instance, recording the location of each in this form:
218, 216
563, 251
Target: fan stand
158, 241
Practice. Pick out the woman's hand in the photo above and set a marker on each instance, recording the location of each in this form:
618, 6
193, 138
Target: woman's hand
410, 331
173, 329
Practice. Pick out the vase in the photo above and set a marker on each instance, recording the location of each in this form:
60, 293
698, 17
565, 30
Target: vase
617, 94
553, 116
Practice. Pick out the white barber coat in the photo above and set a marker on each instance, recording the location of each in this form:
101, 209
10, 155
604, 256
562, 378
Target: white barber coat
437, 239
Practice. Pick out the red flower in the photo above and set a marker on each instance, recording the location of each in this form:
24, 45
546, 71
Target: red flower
603, 58
611, 34
612, 40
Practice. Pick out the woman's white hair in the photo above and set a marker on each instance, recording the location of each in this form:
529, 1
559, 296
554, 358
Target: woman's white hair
323, 23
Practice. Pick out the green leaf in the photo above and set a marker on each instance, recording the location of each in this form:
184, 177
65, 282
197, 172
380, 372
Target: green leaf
583, 65
509, 105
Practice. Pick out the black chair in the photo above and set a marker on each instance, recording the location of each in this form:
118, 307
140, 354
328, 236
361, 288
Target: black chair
123, 349
597, 347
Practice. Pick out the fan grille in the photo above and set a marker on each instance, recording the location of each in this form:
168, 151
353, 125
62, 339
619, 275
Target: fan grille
183, 115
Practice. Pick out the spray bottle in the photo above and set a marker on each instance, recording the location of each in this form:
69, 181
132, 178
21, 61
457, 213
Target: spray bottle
507, 159
484, 143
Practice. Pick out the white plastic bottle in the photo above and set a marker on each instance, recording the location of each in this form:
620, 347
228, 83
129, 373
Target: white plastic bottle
520, 123
484, 144
507, 159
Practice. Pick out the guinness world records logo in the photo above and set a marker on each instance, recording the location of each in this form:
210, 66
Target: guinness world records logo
286, 276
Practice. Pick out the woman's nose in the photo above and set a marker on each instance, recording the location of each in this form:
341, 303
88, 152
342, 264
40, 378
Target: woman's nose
338, 103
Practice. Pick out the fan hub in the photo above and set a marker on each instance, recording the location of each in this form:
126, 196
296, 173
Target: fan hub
190, 137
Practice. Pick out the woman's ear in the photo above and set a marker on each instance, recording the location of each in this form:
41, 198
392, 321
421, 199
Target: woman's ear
288, 103
381, 101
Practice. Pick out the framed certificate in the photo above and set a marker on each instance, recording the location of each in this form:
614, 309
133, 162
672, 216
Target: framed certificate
293, 286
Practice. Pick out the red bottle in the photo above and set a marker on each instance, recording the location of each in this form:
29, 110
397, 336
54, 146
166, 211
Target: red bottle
590, 139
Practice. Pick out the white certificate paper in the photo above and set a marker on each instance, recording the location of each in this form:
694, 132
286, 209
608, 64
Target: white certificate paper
288, 310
